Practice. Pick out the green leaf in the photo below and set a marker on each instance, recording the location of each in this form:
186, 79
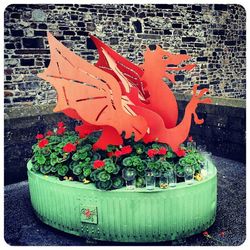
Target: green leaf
81, 177
170, 154
35, 167
63, 170
103, 176
45, 169
96, 156
40, 159
53, 155
104, 185
87, 171
140, 182
93, 175
87, 159
75, 157
55, 168
110, 168
139, 148
111, 148
108, 161
85, 148
140, 167
118, 182
77, 170
83, 155
127, 162
64, 157
53, 161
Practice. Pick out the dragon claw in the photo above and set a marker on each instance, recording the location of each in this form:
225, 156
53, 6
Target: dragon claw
196, 99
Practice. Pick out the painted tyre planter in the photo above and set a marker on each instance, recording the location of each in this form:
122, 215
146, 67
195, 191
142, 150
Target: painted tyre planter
124, 215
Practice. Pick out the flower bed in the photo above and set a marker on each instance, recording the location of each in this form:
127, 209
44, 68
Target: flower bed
69, 156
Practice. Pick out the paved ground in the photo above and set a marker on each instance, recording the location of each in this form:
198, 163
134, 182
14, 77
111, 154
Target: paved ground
22, 228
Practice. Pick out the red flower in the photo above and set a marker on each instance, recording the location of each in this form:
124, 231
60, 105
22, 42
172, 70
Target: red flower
39, 136
110, 154
205, 233
60, 124
87, 213
162, 151
69, 147
180, 152
190, 138
49, 133
98, 164
118, 153
126, 150
152, 152
43, 143
60, 131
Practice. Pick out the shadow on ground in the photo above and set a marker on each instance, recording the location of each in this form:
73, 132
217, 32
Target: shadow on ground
22, 228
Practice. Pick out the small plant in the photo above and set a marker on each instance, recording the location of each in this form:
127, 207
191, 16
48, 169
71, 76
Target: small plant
69, 156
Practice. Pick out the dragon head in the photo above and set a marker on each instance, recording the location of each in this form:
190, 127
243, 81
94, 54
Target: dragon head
165, 62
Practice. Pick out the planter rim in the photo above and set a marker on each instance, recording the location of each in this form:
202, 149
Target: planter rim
91, 186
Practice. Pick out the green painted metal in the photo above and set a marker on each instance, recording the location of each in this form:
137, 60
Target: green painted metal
125, 215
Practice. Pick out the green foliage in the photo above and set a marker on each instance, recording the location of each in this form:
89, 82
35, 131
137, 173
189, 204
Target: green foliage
140, 182
105, 185
118, 182
63, 170
192, 159
103, 176
79, 163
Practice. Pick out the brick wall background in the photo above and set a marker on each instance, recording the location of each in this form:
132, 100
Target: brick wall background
214, 35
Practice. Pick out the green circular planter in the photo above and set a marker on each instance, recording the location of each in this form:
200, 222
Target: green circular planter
124, 215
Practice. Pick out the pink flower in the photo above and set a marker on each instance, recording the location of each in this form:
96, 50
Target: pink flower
43, 143
60, 124
180, 152
39, 136
152, 152
49, 133
98, 164
162, 151
126, 150
118, 153
110, 154
190, 138
69, 147
60, 130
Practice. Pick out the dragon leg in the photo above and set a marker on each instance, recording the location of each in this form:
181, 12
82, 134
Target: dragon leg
109, 136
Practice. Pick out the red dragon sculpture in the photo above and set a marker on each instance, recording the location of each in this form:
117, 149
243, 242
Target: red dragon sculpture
116, 96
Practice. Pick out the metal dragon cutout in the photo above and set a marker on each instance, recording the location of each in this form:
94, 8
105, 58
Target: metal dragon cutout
116, 96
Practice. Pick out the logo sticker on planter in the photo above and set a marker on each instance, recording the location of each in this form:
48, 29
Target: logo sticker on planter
89, 214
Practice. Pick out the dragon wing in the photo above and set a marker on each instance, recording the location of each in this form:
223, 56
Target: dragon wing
88, 92
132, 72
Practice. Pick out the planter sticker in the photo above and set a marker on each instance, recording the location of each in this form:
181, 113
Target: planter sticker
89, 214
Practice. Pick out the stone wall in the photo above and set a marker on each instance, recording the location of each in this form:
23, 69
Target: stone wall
214, 35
